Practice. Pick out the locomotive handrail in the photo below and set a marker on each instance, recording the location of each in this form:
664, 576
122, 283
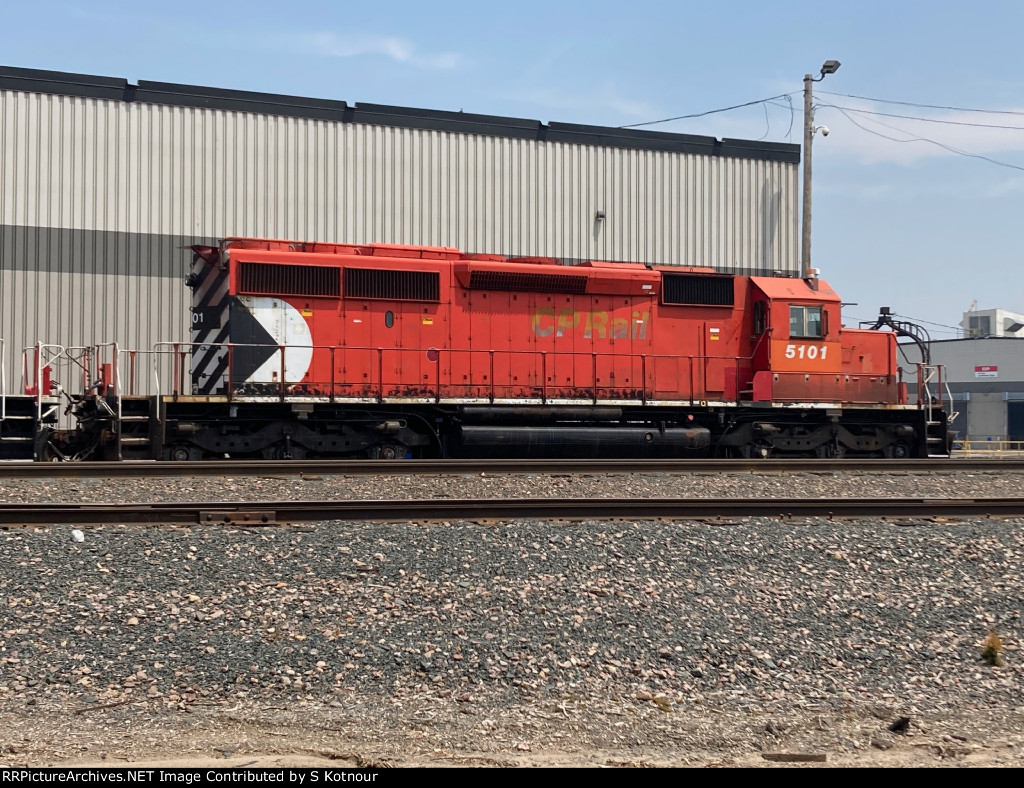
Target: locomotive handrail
443, 385
179, 350
760, 338
3, 381
490, 374
926, 373
38, 385
120, 386
380, 374
952, 414
105, 385
375, 387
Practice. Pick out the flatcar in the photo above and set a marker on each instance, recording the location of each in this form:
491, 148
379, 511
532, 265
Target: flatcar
308, 349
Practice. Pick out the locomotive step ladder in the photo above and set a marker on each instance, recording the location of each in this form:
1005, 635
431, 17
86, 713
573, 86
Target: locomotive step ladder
18, 425
936, 439
17, 419
136, 427
933, 394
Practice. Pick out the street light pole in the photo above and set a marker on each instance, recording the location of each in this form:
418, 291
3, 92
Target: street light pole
829, 67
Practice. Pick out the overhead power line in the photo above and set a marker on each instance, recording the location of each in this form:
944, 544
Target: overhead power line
709, 112
929, 323
925, 120
788, 96
845, 111
942, 145
924, 106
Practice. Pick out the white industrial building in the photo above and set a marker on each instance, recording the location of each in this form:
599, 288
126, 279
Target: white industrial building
992, 323
102, 183
985, 377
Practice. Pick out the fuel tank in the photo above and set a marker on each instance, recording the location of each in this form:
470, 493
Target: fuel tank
572, 442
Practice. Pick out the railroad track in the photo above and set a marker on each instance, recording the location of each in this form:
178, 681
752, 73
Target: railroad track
82, 470
267, 513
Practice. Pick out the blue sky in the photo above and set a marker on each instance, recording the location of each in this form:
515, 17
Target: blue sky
910, 224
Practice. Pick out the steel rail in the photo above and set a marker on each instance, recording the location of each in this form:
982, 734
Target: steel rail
138, 469
420, 510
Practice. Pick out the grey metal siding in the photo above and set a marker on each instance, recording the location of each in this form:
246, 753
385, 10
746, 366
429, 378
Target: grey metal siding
982, 402
98, 192
89, 164
961, 356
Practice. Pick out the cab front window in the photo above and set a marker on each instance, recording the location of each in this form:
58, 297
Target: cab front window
805, 321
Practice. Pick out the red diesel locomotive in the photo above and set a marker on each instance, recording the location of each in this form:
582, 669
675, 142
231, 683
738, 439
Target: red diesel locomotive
384, 351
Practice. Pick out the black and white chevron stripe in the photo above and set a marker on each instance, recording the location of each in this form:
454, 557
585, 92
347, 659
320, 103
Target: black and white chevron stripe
210, 328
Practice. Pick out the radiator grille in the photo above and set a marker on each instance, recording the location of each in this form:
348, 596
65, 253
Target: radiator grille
277, 279
525, 282
393, 285
697, 290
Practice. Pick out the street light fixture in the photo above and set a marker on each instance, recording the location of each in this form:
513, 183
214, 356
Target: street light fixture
828, 67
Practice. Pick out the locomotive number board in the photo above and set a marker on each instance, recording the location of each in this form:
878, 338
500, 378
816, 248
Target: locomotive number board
806, 355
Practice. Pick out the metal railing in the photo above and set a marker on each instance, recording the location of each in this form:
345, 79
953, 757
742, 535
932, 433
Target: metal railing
383, 374
3, 381
38, 363
933, 391
984, 447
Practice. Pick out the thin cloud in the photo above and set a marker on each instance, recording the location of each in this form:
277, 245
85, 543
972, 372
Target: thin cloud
1006, 188
627, 107
605, 105
351, 45
400, 50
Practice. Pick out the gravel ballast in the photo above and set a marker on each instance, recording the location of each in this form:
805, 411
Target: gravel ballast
827, 484
604, 634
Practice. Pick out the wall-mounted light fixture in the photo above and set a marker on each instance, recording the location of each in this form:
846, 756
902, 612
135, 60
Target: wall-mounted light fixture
599, 217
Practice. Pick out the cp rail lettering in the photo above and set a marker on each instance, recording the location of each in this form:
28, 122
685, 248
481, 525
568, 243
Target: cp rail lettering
590, 324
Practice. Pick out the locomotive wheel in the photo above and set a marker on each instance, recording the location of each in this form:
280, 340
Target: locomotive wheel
897, 451
388, 451
44, 449
50, 449
183, 453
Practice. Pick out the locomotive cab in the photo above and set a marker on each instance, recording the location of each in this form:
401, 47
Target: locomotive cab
817, 388
797, 348
801, 353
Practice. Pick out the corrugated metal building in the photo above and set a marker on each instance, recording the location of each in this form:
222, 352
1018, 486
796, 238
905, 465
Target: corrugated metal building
986, 380
102, 182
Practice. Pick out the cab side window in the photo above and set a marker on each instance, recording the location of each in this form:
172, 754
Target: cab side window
805, 322
760, 317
